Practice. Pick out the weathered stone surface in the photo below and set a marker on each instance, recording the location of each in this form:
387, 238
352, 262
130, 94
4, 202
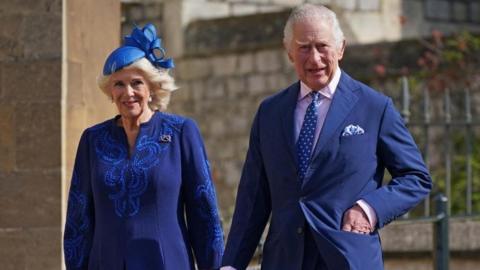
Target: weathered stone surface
76, 92
236, 87
30, 249
256, 84
10, 32
369, 5
347, 4
224, 65
231, 171
215, 89
245, 63
243, 9
12, 248
29, 6
216, 127
270, 8
201, 10
30, 199
288, 2
407, 237
7, 138
39, 43
465, 235
235, 34
32, 80
135, 12
268, 61
38, 135
323, 2
277, 81
418, 237
43, 249
195, 68
154, 11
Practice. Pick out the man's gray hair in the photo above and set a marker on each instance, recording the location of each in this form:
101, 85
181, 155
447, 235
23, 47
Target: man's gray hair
310, 11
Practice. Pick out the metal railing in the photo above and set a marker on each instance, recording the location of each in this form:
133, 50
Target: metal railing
452, 128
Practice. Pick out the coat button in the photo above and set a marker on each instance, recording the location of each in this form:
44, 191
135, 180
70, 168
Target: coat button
299, 230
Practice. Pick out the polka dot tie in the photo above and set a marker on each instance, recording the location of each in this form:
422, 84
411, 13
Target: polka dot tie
307, 135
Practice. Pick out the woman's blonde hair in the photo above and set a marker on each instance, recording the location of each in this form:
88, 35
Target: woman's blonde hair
161, 83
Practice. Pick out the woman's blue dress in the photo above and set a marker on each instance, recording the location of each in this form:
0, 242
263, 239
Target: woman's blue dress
153, 210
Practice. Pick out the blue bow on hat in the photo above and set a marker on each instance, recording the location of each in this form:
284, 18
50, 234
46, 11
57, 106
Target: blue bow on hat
141, 43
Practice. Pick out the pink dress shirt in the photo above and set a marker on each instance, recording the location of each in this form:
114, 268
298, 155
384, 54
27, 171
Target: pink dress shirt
327, 93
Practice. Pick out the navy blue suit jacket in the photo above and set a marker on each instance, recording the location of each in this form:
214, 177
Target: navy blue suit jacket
343, 170
155, 209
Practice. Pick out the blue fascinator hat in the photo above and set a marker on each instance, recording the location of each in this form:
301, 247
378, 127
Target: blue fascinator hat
141, 43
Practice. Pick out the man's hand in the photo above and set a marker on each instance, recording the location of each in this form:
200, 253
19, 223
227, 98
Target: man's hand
355, 220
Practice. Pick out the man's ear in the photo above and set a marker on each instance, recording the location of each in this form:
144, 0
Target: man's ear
341, 50
290, 57
287, 50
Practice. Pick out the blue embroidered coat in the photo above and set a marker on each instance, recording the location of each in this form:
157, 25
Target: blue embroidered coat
155, 209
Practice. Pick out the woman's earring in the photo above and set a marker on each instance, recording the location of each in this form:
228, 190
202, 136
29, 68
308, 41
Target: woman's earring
150, 99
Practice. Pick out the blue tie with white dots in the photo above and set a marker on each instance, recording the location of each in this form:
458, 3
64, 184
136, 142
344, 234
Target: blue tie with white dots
307, 135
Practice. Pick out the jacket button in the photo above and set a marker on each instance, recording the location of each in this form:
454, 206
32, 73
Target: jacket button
299, 230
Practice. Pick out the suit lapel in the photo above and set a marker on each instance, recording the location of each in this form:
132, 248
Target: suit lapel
343, 101
288, 110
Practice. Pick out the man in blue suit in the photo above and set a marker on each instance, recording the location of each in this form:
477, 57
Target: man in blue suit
316, 161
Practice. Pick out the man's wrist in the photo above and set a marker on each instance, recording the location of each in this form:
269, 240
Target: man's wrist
369, 212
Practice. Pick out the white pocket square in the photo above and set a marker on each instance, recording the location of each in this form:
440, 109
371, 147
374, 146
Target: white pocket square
351, 130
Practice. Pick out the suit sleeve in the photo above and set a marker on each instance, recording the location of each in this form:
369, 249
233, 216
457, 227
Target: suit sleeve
410, 182
79, 226
253, 206
204, 228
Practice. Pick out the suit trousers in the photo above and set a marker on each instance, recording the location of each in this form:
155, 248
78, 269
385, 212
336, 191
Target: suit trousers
312, 260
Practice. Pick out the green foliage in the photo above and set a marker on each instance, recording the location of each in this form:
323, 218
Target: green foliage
459, 176
449, 61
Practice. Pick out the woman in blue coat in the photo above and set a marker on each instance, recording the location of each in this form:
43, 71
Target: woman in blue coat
141, 196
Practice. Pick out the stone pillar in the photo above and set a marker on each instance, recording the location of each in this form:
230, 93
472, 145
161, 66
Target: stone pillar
92, 31
48, 63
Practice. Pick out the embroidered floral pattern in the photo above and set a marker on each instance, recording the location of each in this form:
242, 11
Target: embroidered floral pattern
127, 178
207, 210
77, 224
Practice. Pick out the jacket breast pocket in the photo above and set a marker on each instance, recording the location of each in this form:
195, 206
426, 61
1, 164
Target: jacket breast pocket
357, 147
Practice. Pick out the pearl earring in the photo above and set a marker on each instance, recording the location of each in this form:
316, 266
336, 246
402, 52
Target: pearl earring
150, 99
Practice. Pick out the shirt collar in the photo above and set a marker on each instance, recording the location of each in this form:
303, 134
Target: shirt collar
327, 91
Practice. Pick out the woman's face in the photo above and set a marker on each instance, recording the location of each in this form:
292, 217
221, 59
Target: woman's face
130, 92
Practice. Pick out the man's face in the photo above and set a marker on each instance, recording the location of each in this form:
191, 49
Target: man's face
314, 53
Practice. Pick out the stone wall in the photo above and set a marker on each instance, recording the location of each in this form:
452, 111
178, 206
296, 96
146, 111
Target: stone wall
30, 134
363, 21
222, 94
48, 96
408, 246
